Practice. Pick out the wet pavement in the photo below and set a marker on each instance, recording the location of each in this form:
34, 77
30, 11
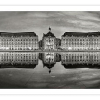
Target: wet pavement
49, 71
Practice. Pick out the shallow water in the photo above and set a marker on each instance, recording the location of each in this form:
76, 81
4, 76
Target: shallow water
49, 70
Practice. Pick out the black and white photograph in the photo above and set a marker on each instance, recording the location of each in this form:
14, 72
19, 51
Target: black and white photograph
49, 49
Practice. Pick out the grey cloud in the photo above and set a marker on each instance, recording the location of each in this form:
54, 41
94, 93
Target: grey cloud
60, 21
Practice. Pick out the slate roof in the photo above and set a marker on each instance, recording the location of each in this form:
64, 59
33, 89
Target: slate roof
81, 34
49, 34
19, 33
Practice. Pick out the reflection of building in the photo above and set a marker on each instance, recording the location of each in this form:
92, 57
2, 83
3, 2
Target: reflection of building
19, 41
73, 58
58, 57
49, 41
80, 41
49, 60
20, 59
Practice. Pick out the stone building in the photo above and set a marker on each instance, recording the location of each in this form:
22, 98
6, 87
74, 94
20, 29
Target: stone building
49, 41
58, 43
18, 41
40, 45
80, 41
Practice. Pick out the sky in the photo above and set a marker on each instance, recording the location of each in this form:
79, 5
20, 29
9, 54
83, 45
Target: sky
59, 21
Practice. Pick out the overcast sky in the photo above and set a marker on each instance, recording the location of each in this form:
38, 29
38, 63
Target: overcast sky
59, 22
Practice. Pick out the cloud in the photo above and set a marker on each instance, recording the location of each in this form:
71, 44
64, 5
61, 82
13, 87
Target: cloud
60, 21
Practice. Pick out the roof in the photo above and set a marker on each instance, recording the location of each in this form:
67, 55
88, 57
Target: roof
18, 65
49, 34
48, 65
81, 34
74, 66
19, 33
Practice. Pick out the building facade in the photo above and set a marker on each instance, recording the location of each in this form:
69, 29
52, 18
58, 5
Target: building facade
18, 41
70, 41
58, 43
49, 41
80, 41
40, 44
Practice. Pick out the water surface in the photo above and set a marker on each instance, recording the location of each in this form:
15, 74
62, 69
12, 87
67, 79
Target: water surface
50, 70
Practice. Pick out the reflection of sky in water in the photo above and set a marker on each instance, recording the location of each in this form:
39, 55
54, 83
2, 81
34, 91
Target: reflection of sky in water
15, 72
